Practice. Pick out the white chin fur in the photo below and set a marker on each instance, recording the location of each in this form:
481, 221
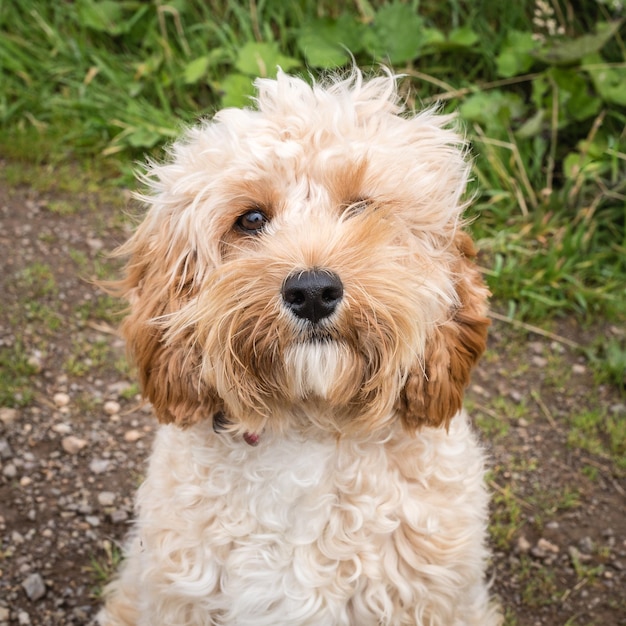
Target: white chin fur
313, 367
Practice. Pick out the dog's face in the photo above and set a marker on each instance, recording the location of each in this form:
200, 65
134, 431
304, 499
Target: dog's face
304, 263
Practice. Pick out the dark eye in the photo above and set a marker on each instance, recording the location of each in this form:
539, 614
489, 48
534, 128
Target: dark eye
252, 222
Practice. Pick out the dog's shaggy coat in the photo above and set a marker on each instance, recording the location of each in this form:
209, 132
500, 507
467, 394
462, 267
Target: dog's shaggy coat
304, 314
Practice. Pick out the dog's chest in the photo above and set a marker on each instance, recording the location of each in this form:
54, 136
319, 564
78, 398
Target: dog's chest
292, 525
288, 491
284, 487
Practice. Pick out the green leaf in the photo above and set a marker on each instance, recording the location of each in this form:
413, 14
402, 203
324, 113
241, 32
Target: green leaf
572, 50
196, 69
575, 96
576, 162
327, 43
492, 109
143, 138
236, 90
516, 57
263, 59
532, 126
395, 34
609, 82
104, 16
463, 37
433, 37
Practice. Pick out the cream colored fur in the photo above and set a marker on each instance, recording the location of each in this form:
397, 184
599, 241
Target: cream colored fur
363, 502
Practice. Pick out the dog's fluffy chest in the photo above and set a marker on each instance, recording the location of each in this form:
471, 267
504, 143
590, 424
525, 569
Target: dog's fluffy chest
285, 489
297, 527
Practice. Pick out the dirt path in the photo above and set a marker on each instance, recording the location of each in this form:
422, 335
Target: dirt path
73, 437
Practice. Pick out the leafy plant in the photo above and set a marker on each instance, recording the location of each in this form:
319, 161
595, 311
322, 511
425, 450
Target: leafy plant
540, 87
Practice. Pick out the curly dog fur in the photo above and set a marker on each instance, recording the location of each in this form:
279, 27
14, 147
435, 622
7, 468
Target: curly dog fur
304, 315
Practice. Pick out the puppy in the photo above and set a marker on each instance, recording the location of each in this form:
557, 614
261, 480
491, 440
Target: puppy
304, 315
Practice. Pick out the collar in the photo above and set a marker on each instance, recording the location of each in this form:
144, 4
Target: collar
221, 422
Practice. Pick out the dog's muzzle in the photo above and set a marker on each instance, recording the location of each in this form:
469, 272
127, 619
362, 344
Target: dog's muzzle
312, 295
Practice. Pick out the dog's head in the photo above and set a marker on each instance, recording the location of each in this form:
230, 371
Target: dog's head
303, 263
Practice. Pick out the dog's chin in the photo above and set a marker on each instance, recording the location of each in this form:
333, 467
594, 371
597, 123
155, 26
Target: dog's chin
315, 368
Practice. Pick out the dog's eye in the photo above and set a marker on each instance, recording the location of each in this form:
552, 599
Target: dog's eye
252, 222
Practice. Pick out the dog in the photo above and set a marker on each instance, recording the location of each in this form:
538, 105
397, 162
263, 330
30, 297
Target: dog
304, 313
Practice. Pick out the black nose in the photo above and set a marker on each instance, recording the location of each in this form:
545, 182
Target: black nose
312, 295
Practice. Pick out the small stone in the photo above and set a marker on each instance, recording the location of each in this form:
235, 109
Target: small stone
85, 508
4, 614
119, 516
577, 556
61, 399
539, 361
523, 545
578, 369
34, 587
131, 436
618, 409
9, 471
17, 538
557, 347
81, 614
62, 428
479, 390
106, 498
23, 618
92, 520
73, 445
548, 546
586, 545
7, 415
5, 450
25, 481
95, 244
99, 466
118, 388
553, 525
111, 407
35, 362
544, 549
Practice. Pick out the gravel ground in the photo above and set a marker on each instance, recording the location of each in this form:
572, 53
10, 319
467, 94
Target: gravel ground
74, 436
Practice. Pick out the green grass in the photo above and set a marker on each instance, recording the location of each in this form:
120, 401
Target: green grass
87, 356
15, 376
544, 103
600, 433
103, 566
38, 280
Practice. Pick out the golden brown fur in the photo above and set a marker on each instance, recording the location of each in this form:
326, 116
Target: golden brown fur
433, 396
301, 283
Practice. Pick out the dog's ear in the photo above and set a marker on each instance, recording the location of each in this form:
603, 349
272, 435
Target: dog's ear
169, 368
434, 391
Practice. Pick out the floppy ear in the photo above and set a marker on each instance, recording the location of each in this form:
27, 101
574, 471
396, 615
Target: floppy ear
433, 394
169, 369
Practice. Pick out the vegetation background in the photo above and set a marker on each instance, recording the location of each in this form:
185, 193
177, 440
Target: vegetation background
89, 87
541, 87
